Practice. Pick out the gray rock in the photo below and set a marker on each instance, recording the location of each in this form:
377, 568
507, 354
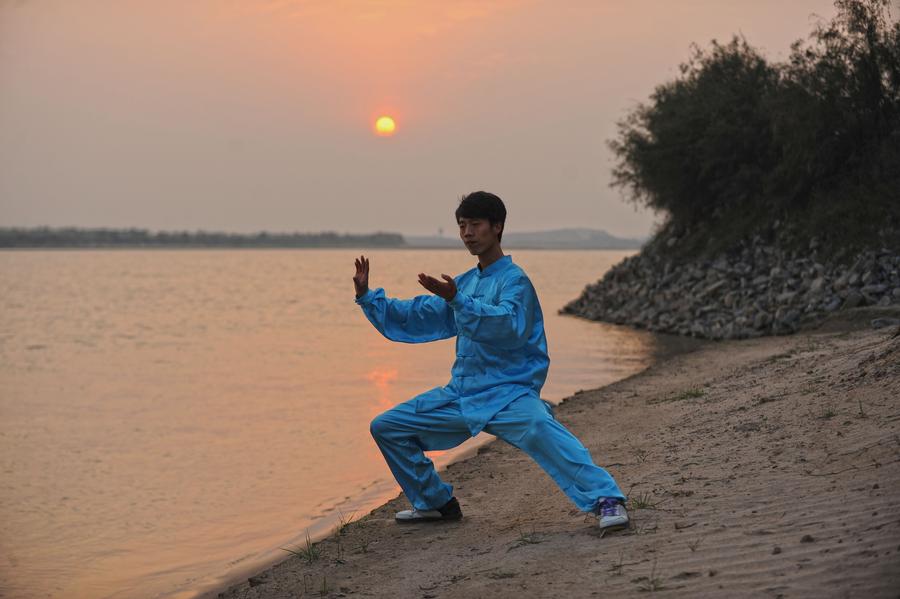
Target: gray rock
714, 287
766, 290
880, 323
761, 320
786, 297
742, 268
818, 285
784, 315
728, 300
853, 300
874, 289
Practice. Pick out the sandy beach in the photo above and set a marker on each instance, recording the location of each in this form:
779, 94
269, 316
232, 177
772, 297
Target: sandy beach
767, 467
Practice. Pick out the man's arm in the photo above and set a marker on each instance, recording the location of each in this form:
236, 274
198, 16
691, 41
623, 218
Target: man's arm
417, 320
507, 324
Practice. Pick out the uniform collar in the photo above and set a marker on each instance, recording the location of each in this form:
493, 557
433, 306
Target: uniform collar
495, 267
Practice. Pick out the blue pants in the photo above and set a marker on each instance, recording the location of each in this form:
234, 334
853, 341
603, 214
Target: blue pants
527, 423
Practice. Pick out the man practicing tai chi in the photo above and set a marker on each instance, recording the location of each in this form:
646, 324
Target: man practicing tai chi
495, 385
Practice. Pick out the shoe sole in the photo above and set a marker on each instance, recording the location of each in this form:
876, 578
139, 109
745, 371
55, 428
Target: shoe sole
615, 527
441, 519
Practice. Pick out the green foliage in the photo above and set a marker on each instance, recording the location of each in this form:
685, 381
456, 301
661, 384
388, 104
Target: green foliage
736, 141
705, 141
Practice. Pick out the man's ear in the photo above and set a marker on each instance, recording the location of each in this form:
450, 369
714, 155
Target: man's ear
497, 227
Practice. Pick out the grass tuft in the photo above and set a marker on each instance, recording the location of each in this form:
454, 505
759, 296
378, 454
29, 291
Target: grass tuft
643, 501
526, 538
652, 583
310, 553
692, 393
692, 545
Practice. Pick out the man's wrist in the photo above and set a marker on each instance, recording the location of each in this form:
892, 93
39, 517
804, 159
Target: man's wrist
456, 301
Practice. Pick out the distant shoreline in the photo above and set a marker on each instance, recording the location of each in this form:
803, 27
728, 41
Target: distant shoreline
508, 250
102, 238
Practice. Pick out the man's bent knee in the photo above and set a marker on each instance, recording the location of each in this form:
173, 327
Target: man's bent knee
534, 431
379, 426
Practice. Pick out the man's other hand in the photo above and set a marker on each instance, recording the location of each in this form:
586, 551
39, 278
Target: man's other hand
361, 278
446, 288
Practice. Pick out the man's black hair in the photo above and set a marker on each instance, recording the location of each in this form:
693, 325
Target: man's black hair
481, 204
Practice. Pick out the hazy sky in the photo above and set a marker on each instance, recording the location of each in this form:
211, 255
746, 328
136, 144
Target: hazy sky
243, 115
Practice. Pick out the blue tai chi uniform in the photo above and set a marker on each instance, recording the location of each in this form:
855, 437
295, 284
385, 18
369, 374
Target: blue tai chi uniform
501, 364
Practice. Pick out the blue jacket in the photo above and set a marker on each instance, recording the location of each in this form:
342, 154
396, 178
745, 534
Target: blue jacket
501, 349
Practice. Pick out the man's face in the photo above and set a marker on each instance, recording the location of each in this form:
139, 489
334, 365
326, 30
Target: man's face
478, 234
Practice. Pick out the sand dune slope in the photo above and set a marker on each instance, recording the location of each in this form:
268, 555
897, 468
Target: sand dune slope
763, 468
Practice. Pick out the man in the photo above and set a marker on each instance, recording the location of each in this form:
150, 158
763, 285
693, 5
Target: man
501, 364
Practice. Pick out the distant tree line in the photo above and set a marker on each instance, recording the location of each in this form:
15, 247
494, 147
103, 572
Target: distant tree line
736, 141
73, 237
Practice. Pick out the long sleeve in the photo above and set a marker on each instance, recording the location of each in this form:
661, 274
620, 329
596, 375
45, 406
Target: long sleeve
417, 320
507, 324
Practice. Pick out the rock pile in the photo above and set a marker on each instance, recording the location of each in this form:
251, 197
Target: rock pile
758, 289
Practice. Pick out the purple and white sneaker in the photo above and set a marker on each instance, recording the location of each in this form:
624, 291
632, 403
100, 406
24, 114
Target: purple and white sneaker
611, 514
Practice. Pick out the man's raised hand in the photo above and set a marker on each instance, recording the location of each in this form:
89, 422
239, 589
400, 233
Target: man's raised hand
361, 278
446, 288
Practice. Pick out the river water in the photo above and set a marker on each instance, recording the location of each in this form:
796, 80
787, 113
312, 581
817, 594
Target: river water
169, 419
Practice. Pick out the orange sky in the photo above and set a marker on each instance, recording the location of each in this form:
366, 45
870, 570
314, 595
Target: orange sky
246, 115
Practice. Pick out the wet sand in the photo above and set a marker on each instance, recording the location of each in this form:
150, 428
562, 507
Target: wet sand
757, 468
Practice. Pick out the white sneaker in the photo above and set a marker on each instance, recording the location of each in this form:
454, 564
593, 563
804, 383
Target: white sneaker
450, 511
611, 515
418, 516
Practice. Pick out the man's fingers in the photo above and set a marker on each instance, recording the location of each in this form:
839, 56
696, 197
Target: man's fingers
427, 282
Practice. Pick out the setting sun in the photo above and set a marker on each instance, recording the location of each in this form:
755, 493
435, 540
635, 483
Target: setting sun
385, 126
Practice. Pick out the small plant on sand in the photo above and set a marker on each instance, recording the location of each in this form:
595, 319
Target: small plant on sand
616, 568
690, 394
652, 583
782, 356
364, 545
344, 522
324, 590
640, 454
828, 413
310, 553
692, 545
643, 501
526, 538
862, 413
641, 526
